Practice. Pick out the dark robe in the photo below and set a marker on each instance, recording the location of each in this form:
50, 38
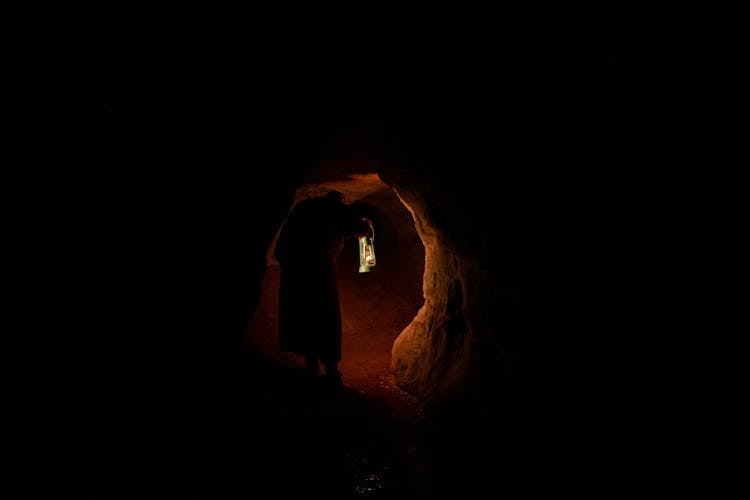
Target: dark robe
307, 250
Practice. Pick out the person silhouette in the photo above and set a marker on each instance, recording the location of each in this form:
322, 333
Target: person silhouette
307, 250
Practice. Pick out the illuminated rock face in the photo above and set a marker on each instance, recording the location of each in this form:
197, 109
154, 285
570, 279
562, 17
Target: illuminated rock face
495, 248
431, 348
434, 355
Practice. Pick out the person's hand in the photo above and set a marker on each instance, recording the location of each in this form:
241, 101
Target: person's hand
364, 227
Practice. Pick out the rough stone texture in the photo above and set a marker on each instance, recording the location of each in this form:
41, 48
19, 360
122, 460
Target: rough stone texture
512, 272
430, 351
433, 354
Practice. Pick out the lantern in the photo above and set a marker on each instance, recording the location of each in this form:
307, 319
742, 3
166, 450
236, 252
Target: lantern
367, 250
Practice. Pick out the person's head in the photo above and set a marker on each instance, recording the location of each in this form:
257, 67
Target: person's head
334, 195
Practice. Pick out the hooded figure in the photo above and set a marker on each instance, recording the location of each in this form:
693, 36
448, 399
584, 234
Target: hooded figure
307, 250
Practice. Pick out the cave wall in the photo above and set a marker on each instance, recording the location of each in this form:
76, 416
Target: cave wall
534, 265
555, 310
455, 342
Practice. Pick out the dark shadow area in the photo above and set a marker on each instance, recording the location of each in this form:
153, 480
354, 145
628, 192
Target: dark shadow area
147, 171
259, 427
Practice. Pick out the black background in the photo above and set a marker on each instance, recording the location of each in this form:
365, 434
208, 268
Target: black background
137, 152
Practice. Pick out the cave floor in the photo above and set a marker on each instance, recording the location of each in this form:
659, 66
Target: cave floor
260, 429
365, 439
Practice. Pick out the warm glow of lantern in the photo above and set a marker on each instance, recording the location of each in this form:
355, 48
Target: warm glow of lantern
367, 251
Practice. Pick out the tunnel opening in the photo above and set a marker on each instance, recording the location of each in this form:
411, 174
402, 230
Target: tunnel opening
376, 306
